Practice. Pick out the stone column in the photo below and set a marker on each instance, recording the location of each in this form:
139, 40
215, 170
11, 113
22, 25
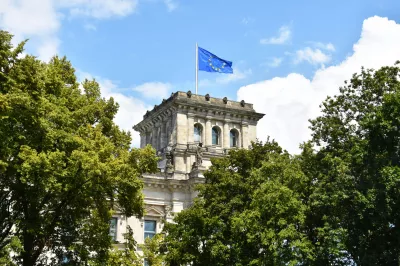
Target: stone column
245, 136
181, 127
188, 162
154, 137
207, 132
172, 130
163, 135
159, 139
226, 138
148, 137
142, 139
190, 125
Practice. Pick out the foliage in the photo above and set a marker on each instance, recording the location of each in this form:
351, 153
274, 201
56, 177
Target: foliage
337, 203
63, 161
7, 256
151, 250
250, 211
359, 158
126, 256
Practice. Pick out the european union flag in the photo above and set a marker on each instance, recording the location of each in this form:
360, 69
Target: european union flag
212, 63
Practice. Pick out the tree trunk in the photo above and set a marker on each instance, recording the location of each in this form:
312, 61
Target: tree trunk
27, 255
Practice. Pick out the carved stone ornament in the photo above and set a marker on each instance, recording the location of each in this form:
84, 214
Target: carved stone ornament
168, 210
225, 100
195, 166
207, 97
242, 103
189, 94
199, 155
169, 165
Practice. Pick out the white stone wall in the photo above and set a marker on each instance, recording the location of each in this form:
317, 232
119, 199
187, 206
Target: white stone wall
252, 134
162, 201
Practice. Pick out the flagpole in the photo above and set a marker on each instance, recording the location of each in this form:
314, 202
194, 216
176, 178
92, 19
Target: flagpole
197, 67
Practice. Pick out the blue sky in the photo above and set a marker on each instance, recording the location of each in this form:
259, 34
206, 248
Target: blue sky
142, 50
156, 45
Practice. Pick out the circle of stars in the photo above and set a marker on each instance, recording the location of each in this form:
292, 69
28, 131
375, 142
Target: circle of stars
218, 69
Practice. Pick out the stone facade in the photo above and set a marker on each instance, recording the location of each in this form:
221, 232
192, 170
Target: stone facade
187, 130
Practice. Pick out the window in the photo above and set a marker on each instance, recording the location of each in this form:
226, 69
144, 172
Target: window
146, 263
113, 228
234, 138
197, 132
149, 228
215, 136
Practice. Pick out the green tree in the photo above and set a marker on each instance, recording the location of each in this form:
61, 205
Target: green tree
250, 211
127, 255
358, 161
152, 250
337, 203
63, 162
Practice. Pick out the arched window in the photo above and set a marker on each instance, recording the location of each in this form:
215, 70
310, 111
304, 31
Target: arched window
234, 138
198, 130
215, 136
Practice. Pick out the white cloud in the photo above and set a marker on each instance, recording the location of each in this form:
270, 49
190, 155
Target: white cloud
283, 37
154, 90
325, 46
312, 56
99, 9
40, 20
27, 18
290, 101
48, 47
131, 109
223, 79
274, 62
235, 76
171, 5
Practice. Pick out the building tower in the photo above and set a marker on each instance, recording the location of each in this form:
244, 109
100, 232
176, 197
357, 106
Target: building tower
187, 130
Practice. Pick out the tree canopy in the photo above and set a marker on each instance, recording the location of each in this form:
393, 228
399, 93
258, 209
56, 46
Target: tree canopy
250, 211
359, 136
336, 203
64, 164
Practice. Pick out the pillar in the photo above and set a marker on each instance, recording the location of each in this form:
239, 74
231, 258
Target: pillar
154, 137
190, 126
142, 139
163, 135
245, 136
181, 128
207, 132
226, 138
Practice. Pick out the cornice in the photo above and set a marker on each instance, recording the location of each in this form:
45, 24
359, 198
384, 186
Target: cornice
159, 182
198, 105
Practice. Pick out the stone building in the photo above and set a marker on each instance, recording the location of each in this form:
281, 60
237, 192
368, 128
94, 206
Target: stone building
187, 130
